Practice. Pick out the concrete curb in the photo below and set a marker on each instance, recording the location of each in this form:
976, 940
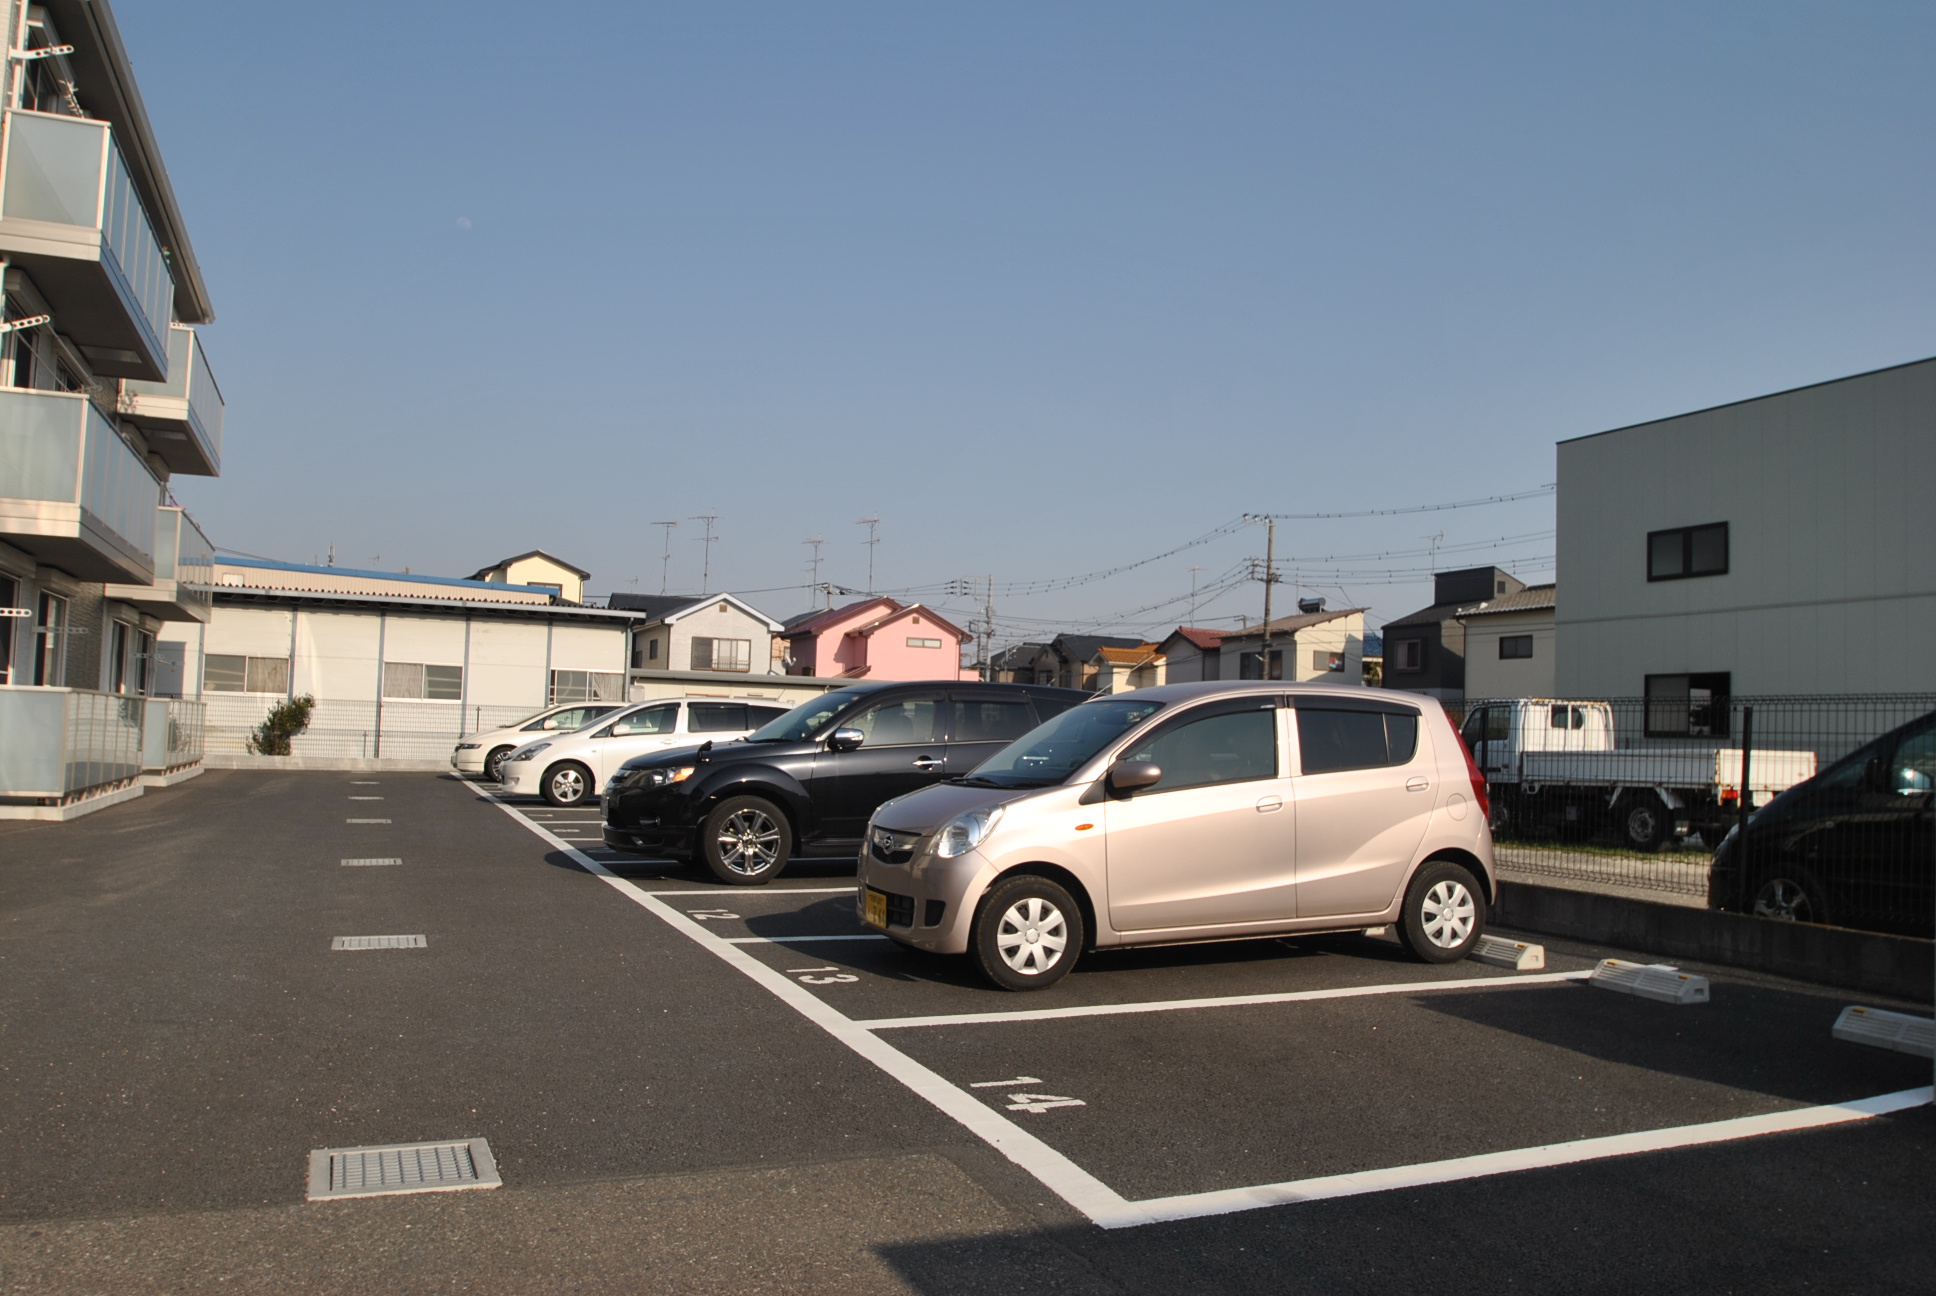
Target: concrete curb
363, 764
1900, 967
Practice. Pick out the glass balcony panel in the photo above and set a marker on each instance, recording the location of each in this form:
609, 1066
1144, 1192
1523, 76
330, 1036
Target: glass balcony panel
168, 529
137, 249
189, 402
116, 486
63, 741
54, 169
40, 455
205, 404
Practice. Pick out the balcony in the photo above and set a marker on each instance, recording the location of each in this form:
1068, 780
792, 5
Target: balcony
184, 571
71, 217
182, 417
72, 492
67, 745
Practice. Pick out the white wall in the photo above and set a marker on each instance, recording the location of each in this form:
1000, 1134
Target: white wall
507, 664
1486, 676
335, 654
1830, 587
708, 622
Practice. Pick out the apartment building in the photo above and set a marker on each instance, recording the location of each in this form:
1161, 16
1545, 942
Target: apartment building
105, 395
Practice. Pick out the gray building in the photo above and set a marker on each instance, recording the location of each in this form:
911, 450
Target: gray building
1780, 545
1425, 650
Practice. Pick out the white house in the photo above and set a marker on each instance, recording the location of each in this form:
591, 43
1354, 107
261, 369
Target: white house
718, 634
1509, 645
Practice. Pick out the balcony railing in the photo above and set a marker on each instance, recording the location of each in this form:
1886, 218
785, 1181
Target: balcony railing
183, 416
184, 571
72, 492
172, 731
70, 215
65, 743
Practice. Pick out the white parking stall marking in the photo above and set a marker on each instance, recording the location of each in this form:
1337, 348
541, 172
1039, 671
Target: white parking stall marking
1004, 1084
754, 895
367, 821
799, 940
1225, 1001
711, 915
837, 978
1108, 1208
1039, 1103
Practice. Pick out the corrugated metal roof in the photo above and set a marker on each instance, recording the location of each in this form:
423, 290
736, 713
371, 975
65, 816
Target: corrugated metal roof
1534, 598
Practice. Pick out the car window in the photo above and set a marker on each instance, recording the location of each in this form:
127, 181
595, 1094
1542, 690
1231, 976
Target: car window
762, 715
1055, 749
1914, 768
989, 720
1473, 730
1234, 747
649, 720
717, 717
897, 723
808, 720
570, 718
1048, 708
1329, 741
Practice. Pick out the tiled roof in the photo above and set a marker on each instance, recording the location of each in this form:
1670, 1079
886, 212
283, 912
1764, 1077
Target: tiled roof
1534, 598
812, 621
1140, 655
1292, 624
1207, 640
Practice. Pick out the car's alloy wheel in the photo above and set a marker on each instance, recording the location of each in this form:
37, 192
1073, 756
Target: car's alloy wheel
1028, 933
494, 764
567, 785
1444, 913
1785, 898
746, 841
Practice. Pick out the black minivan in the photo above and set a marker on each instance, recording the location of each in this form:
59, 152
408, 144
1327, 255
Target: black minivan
1853, 847
808, 782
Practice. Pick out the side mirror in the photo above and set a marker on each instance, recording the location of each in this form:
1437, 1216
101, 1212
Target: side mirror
1127, 776
845, 740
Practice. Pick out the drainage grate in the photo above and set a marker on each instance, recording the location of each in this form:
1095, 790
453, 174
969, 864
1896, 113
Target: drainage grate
378, 942
366, 821
401, 1168
369, 863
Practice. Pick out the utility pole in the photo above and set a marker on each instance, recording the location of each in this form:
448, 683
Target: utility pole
871, 523
665, 563
1270, 579
814, 564
706, 565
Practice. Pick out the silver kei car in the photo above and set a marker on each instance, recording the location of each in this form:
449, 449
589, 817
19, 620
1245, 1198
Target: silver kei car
1191, 812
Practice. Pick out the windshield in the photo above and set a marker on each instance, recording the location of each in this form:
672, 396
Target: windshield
809, 719
1051, 752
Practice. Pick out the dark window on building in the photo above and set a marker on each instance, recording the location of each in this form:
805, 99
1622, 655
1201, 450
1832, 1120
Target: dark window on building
1688, 551
1513, 647
1330, 741
1408, 655
722, 654
1250, 665
1326, 661
9, 591
1688, 706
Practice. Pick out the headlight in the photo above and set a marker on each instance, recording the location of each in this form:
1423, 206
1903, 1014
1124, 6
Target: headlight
468, 746
526, 753
964, 832
667, 777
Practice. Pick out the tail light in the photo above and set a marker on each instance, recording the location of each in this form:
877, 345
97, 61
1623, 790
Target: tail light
1478, 779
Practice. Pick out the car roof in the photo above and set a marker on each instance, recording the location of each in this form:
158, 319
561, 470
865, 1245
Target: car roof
1269, 688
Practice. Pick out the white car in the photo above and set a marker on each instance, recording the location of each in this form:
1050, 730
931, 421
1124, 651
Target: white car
482, 753
569, 769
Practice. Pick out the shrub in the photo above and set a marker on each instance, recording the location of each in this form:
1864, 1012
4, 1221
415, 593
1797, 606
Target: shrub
286, 720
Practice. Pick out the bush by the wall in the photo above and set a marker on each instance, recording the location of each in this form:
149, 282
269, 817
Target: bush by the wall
285, 721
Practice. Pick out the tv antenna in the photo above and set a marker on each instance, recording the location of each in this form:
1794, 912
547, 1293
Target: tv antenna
706, 564
871, 523
814, 564
665, 562
1193, 594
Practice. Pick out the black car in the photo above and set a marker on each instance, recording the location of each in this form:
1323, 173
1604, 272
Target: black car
1852, 846
808, 782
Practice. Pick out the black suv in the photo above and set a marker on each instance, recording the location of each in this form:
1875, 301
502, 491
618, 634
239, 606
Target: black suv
809, 781
1851, 846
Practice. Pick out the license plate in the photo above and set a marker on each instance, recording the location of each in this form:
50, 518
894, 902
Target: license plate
876, 908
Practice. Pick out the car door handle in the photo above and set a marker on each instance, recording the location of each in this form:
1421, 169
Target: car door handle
925, 763
1270, 803
1417, 783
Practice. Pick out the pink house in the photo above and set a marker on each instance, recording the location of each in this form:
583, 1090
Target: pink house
878, 639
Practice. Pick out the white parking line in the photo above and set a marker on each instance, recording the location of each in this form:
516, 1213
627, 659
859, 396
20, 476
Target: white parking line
1106, 1207
1226, 1001
800, 940
742, 893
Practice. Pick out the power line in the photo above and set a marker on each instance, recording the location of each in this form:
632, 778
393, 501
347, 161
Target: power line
1416, 508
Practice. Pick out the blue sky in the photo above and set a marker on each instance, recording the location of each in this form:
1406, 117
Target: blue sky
1048, 288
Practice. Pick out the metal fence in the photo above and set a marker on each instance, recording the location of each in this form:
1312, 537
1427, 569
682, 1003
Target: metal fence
1657, 798
406, 729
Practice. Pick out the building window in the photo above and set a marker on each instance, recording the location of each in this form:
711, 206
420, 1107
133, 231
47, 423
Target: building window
50, 656
652, 649
9, 591
414, 681
1249, 665
1515, 647
924, 643
587, 686
1688, 706
1688, 551
722, 654
227, 673
1408, 655
1326, 661
551, 587
120, 644
144, 664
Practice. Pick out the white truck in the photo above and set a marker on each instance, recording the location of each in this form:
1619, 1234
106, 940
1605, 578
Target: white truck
1552, 765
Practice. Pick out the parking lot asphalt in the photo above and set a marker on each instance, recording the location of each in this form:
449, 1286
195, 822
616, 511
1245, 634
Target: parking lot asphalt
685, 1091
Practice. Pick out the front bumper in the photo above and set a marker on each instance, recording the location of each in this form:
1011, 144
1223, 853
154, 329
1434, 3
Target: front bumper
468, 762
523, 778
661, 841
931, 901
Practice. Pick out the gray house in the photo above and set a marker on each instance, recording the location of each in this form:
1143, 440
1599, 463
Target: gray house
1425, 651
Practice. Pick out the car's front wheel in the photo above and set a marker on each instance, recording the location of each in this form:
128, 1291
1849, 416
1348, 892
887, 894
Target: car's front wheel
1788, 894
1444, 914
1028, 933
567, 784
494, 763
745, 841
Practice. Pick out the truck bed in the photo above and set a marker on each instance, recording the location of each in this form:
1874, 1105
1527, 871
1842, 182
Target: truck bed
1713, 768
